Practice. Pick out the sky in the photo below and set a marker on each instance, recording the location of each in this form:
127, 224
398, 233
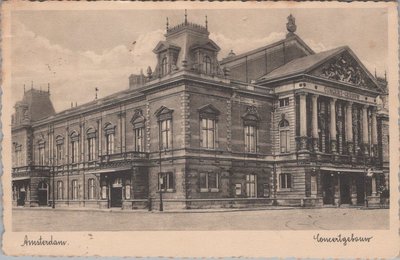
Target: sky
78, 51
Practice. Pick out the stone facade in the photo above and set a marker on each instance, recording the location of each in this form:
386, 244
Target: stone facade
261, 128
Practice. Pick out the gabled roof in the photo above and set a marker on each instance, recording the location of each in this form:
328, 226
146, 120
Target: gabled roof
301, 65
307, 64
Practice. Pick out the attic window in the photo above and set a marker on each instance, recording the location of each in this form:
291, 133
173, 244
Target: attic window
283, 102
164, 67
207, 65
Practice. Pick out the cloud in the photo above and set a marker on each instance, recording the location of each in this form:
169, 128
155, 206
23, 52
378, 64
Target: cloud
74, 74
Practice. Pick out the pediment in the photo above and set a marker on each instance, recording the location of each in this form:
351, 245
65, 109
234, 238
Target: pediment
163, 110
163, 45
251, 114
345, 67
209, 45
208, 110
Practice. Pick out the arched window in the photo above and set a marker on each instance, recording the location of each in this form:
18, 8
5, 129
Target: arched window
164, 116
285, 181
207, 65
138, 122
74, 187
251, 120
208, 126
41, 151
164, 66
59, 148
91, 143
91, 189
60, 190
284, 135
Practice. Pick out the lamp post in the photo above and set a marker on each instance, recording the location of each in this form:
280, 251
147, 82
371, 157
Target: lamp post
161, 179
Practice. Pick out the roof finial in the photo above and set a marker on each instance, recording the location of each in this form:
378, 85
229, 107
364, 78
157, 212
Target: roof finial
185, 16
291, 24
31, 84
24, 88
206, 23
375, 72
96, 90
385, 76
48, 88
167, 24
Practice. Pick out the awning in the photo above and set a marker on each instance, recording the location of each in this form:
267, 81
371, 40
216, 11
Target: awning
344, 170
21, 178
110, 170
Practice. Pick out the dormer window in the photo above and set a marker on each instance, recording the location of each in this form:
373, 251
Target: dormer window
207, 65
164, 66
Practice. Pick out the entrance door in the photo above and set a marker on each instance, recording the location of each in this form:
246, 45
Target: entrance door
21, 197
345, 193
328, 188
360, 186
116, 197
42, 194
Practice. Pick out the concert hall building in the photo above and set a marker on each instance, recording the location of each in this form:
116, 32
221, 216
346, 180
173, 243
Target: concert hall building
278, 125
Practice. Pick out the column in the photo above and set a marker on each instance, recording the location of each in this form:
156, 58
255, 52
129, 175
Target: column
303, 121
349, 127
315, 122
333, 125
373, 183
365, 129
374, 134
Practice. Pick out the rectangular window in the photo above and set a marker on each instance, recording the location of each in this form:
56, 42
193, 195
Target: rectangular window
59, 153
285, 181
91, 148
250, 138
91, 189
283, 102
139, 139
208, 130
74, 151
251, 185
284, 141
74, 189
41, 156
60, 190
110, 143
165, 134
238, 189
209, 181
165, 181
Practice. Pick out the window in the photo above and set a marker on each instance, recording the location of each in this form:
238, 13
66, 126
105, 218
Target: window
165, 134
59, 151
41, 152
91, 148
238, 189
251, 185
284, 136
74, 147
250, 138
165, 181
74, 189
285, 181
283, 102
138, 122
18, 155
208, 130
139, 139
110, 143
164, 67
91, 189
209, 181
207, 65
60, 190
164, 116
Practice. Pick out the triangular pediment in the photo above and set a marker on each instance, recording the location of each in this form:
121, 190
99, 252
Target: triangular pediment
163, 110
164, 45
209, 45
345, 67
208, 109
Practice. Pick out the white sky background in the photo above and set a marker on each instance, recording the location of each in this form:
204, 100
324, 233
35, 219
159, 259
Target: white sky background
76, 51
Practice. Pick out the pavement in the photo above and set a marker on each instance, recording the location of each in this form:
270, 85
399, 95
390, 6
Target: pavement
271, 218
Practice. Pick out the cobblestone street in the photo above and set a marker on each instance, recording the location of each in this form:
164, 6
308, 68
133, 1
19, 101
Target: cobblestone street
28, 219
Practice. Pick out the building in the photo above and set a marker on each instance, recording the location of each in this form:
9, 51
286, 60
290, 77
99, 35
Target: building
278, 125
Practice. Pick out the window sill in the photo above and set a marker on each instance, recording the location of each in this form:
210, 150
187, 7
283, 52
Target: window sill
167, 191
285, 189
204, 190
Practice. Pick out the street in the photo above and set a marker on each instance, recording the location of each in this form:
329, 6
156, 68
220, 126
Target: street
39, 219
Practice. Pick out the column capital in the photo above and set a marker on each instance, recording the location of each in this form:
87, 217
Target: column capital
333, 100
365, 106
302, 93
314, 96
349, 103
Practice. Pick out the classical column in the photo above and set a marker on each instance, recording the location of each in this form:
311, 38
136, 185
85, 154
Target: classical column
349, 127
303, 121
333, 125
374, 130
373, 185
365, 129
315, 122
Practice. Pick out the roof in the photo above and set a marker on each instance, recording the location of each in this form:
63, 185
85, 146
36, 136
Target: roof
301, 64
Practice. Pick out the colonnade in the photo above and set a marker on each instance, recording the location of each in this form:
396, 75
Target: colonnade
368, 125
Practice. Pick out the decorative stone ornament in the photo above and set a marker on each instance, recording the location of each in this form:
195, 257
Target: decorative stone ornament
291, 24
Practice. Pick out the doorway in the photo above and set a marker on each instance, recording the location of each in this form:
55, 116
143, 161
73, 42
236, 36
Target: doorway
345, 189
328, 189
360, 186
42, 194
21, 197
116, 193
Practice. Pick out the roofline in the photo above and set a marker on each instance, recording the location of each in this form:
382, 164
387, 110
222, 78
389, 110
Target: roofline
271, 45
